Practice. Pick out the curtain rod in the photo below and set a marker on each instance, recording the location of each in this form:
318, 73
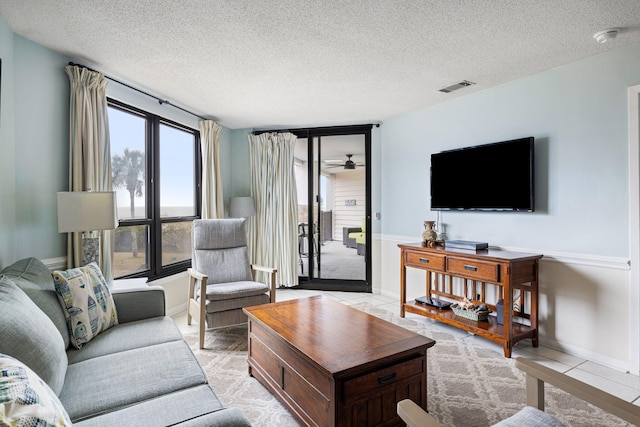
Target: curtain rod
160, 100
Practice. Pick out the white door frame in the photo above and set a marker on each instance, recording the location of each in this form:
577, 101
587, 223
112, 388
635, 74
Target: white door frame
634, 229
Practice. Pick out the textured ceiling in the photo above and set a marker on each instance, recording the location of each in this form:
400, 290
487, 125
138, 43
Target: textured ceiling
294, 63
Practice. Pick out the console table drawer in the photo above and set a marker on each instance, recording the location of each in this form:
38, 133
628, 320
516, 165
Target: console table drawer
474, 269
355, 388
422, 260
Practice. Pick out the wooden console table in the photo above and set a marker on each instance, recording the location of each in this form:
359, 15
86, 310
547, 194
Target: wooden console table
509, 271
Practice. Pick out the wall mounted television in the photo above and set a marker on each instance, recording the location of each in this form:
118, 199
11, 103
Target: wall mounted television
489, 177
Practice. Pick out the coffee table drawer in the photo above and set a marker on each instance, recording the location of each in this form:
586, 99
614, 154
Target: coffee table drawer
355, 388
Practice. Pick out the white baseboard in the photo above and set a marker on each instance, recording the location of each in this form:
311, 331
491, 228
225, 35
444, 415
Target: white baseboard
177, 310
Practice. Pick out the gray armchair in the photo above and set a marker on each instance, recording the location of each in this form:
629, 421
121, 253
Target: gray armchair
221, 280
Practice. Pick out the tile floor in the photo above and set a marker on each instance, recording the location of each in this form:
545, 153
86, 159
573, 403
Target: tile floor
621, 384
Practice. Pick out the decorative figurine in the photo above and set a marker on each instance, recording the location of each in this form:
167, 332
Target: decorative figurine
429, 234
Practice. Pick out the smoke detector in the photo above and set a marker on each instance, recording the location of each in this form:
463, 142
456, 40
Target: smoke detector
605, 35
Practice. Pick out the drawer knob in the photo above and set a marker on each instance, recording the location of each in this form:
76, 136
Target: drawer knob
386, 379
470, 268
424, 260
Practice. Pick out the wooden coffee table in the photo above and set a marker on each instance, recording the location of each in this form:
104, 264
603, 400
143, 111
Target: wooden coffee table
333, 365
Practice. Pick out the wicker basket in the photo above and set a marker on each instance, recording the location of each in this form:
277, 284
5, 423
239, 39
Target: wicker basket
469, 314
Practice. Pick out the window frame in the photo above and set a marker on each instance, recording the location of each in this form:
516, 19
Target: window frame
153, 220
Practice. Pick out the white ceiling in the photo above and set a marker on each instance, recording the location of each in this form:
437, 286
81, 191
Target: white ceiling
294, 63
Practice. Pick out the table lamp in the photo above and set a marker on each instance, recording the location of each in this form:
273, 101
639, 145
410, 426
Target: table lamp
241, 207
88, 212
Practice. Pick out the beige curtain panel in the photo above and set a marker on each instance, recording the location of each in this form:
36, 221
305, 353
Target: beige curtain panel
89, 153
212, 202
273, 232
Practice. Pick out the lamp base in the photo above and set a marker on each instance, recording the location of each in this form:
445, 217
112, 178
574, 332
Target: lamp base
91, 247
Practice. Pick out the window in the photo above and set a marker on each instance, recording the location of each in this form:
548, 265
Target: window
156, 174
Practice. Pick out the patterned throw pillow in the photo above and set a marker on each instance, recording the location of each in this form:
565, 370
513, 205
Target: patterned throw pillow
25, 399
87, 301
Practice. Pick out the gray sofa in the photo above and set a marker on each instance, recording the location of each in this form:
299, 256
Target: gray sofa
138, 373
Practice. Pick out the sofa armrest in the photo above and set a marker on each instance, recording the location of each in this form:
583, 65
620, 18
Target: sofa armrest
139, 303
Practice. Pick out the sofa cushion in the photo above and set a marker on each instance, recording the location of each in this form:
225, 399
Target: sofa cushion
87, 300
25, 399
169, 409
29, 335
127, 336
34, 278
130, 377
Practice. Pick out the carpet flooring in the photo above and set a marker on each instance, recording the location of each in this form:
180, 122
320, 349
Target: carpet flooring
468, 385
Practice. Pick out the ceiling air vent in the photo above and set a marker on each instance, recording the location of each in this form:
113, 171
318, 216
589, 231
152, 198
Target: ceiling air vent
457, 86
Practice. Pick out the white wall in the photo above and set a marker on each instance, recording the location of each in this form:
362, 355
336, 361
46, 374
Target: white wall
349, 186
579, 116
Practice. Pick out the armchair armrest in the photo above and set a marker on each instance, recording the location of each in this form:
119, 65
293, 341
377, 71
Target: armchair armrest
272, 272
139, 303
414, 416
537, 375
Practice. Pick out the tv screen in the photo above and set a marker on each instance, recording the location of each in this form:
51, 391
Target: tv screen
490, 177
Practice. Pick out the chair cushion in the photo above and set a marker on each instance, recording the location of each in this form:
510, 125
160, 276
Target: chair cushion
530, 416
87, 300
29, 335
34, 278
225, 291
25, 399
219, 233
223, 265
236, 304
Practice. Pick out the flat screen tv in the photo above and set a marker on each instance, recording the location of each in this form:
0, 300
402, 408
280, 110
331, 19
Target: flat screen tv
489, 177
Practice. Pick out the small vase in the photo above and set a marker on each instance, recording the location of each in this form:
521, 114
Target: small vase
429, 234
442, 234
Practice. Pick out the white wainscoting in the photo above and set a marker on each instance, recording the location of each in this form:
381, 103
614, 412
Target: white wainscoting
583, 299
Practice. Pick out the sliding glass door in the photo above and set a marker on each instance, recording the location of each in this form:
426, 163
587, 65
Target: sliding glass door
333, 182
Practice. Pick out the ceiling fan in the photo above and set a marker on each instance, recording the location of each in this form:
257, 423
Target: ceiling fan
347, 165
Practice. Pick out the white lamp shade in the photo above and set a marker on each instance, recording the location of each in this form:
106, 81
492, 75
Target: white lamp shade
87, 211
241, 207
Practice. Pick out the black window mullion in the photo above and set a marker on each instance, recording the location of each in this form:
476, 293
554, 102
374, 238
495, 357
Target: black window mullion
156, 233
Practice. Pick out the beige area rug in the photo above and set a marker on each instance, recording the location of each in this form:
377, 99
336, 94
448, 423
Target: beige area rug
468, 385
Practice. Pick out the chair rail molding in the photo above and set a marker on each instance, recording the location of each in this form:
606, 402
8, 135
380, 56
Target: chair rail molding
615, 263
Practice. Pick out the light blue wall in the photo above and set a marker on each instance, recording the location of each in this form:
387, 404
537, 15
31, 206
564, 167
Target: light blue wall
35, 134
241, 177
579, 116
7, 148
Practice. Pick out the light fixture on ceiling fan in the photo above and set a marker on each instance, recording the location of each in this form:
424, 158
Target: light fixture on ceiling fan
347, 165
